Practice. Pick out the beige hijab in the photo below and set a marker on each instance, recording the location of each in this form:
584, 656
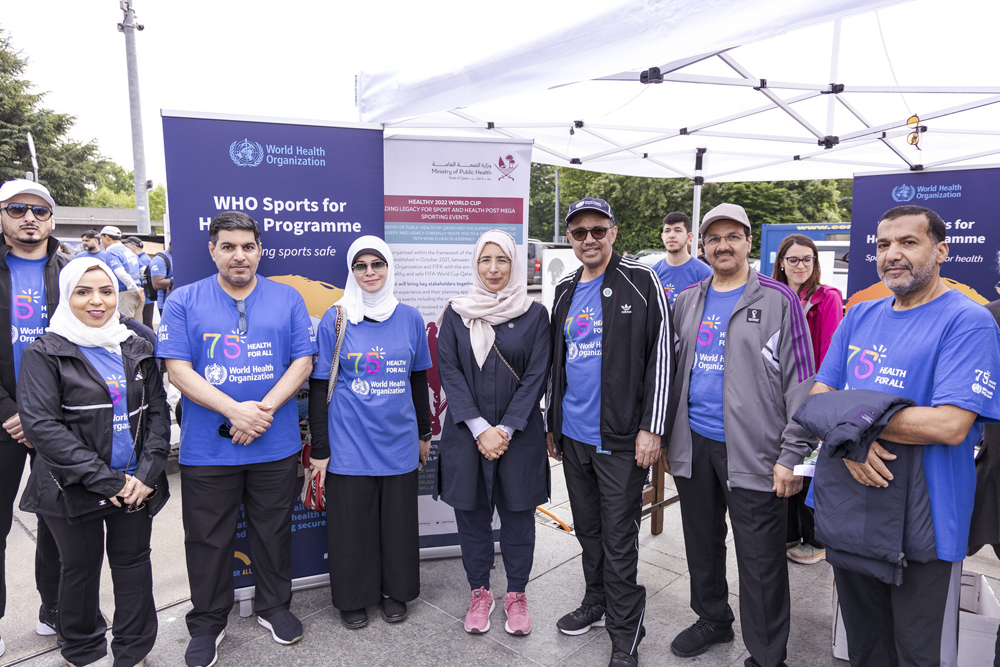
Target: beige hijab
481, 308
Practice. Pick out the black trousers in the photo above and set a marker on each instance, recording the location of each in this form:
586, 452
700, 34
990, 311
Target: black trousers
605, 494
147, 314
212, 497
912, 625
758, 520
372, 538
12, 456
81, 624
801, 518
517, 545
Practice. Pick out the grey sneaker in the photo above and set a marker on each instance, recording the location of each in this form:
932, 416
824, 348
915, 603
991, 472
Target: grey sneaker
806, 554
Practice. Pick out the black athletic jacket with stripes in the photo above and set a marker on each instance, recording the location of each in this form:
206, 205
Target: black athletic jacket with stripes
637, 355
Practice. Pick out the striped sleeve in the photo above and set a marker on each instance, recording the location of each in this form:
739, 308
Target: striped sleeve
801, 344
661, 357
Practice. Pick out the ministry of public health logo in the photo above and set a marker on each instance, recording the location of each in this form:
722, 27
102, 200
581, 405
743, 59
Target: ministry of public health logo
360, 387
216, 374
246, 153
904, 192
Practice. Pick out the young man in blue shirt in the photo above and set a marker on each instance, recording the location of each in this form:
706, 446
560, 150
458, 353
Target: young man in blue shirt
238, 346
607, 412
134, 243
29, 291
678, 269
935, 346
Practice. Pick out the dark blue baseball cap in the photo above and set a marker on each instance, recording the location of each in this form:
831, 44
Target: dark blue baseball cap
590, 204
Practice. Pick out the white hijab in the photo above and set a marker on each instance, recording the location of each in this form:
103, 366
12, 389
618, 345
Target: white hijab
359, 304
482, 308
63, 322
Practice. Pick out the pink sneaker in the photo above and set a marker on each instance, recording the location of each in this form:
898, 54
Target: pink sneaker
477, 619
518, 620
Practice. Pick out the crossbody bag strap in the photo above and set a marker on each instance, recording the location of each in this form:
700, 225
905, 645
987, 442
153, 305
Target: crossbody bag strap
340, 328
505, 361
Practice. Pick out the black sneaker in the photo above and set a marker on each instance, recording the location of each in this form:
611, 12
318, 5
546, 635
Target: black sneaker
623, 659
582, 619
393, 611
203, 650
284, 626
46, 626
699, 638
355, 619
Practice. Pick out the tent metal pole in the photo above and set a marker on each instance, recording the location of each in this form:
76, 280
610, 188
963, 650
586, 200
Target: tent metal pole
555, 232
696, 205
834, 65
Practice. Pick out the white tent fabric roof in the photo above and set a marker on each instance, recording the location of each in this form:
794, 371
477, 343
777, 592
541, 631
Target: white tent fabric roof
752, 83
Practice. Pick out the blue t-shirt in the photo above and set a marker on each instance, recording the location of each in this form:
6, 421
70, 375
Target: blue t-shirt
373, 426
118, 256
707, 374
111, 367
28, 308
582, 332
200, 324
676, 278
946, 352
158, 267
100, 254
143, 263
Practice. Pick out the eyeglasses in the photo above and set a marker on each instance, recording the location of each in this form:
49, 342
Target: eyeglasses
41, 213
241, 307
377, 265
795, 261
225, 432
731, 239
580, 234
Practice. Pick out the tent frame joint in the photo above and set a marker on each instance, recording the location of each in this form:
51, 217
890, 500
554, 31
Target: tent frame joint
916, 167
763, 84
829, 141
835, 89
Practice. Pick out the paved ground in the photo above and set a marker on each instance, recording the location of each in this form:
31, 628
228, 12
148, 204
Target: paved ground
433, 635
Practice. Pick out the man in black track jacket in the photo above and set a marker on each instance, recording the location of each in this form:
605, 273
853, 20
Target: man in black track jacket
29, 291
607, 410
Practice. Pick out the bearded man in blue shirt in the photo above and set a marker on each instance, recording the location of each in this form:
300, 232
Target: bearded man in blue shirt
933, 345
239, 431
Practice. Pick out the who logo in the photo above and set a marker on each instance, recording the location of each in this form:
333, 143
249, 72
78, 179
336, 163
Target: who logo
904, 192
246, 153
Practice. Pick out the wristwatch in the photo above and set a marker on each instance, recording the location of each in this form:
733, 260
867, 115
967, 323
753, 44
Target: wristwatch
426, 437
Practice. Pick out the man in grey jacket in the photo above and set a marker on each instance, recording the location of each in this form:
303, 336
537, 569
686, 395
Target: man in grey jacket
744, 365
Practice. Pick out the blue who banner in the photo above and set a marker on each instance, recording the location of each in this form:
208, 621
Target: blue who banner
313, 189
968, 200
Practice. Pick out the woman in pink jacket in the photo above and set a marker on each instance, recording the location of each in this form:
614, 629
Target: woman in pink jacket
797, 266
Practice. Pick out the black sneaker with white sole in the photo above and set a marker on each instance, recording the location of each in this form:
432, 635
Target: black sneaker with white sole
582, 619
700, 637
46, 621
284, 626
203, 650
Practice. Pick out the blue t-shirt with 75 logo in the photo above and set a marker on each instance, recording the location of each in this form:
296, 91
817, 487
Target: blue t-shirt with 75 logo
582, 330
705, 404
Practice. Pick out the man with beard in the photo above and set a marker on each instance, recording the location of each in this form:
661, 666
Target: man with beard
239, 432
933, 345
91, 242
744, 365
678, 269
29, 291
607, 412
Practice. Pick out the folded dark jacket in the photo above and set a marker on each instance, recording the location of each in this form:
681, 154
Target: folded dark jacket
865, 529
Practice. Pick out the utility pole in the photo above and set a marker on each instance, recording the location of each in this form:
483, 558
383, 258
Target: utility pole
555, 229
129, 26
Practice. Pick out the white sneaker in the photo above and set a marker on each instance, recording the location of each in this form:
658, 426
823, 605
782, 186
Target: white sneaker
806, 554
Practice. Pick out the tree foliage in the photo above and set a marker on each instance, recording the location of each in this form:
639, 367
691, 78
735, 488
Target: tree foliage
68, 168
640, 203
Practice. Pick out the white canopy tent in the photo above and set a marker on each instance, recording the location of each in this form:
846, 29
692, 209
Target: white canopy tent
726, 90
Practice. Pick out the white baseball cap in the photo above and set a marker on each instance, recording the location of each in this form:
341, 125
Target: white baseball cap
111, 231
20, 186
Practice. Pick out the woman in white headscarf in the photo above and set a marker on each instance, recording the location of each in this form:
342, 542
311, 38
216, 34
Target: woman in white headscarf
494, 353
375, 432
91, 400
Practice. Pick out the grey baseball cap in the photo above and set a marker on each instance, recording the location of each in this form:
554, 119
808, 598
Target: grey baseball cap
732, 212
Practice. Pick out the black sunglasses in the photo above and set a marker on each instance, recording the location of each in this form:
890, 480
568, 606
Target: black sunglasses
225, 432
377, 265
41, 213
135, 507
598, 233
241, 307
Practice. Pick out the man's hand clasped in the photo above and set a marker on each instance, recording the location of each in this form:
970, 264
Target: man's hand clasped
872, 472
249, 421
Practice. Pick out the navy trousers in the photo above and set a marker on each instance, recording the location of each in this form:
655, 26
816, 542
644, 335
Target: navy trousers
517, 545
